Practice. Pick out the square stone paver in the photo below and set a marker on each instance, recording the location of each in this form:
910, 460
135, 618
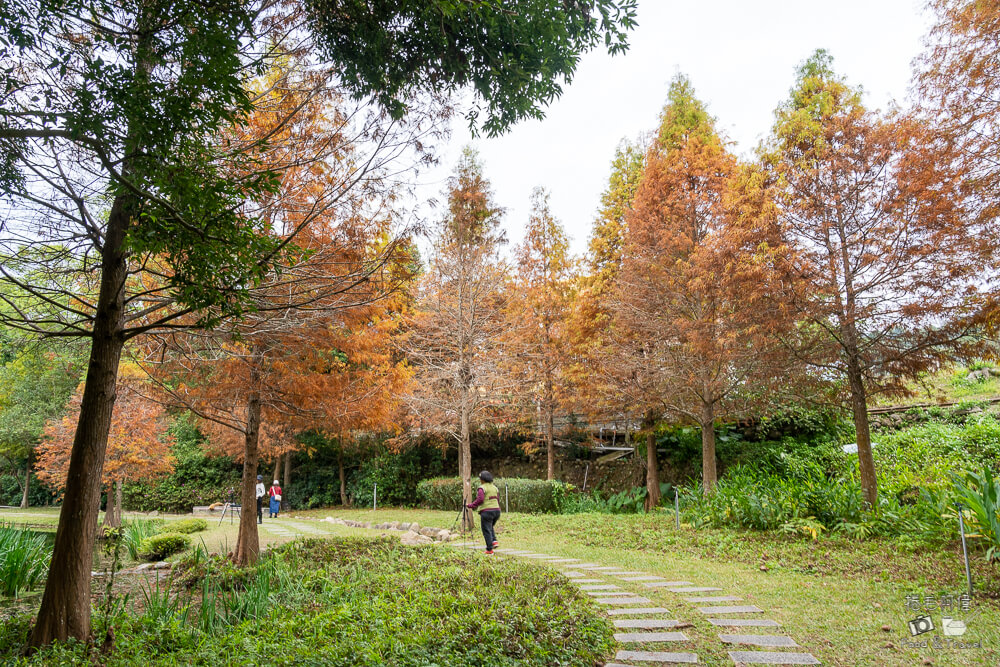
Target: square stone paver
717, 598
645, 623
767, 641
646, 577
623, 600
573, 575
587, 581
742, 609
656, 656
640, 637
602, 567
666, 584
599, 587
745, 622
772, 658
598, 594
695, 589
566, 560
637, 610
585, 566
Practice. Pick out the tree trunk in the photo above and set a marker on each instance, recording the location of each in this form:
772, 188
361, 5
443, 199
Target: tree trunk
343, 480
465, 466
248, 541
286, 482
859, 407
550, 445
709, 476
113, 510
652, 466
277, 469
65, 608
27, 484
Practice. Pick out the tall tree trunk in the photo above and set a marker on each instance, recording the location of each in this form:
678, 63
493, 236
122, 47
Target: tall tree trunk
343, 479
859, 408
27, 484
550, 445
248, 541
465, 464
277, 469
652, 466
709, 476
65, 608
286, 481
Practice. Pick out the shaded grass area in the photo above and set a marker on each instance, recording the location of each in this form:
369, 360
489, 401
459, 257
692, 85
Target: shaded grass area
352, 602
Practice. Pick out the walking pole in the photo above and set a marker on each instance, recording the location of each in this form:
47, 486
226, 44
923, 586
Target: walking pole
677, 510
965, 551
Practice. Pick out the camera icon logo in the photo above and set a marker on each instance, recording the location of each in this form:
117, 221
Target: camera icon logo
920, 625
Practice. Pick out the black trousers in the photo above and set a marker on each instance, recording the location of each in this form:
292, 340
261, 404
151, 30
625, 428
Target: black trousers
488, 519
260, 510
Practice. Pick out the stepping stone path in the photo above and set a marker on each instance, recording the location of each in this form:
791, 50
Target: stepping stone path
647, 626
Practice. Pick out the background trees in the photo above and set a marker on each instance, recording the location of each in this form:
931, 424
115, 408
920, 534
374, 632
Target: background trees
457, 333
138, 442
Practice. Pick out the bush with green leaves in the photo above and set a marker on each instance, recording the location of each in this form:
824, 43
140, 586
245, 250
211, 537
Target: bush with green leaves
162, 545
24, 559
355, 601
522, 495
188, 526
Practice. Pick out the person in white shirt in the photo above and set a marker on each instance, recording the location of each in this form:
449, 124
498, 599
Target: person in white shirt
261, 492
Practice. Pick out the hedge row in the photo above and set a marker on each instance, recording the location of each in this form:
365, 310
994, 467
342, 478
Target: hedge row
521, 495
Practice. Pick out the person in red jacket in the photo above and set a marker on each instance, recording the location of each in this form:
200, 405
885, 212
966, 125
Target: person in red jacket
275, 493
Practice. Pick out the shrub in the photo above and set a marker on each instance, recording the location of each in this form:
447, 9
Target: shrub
188, 526
524, 495
24, 559
160, 546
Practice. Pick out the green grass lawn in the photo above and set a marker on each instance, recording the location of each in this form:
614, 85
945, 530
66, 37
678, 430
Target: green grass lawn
833, 596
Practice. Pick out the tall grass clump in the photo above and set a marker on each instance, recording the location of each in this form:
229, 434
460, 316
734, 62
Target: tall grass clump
24, 559
136, 532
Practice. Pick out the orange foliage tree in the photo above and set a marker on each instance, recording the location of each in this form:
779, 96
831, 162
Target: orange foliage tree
689, 305
538, 306
455, 339
314, 342
138, 444
886, 246
959, 88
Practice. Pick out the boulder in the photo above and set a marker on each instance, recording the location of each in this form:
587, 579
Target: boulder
405, 525
442, 536
393, 525
429, 532
162, 565
411, 538
366, 524
143, 567
415, 527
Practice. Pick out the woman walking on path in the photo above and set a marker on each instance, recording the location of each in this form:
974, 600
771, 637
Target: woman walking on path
275, 493
488, 502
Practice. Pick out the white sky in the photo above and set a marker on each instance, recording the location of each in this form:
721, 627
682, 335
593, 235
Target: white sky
741, 56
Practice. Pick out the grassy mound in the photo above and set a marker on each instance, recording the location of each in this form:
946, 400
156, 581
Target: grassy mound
354, 602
